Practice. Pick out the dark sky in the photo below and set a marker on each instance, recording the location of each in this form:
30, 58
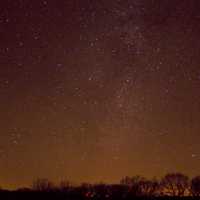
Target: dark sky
95, 90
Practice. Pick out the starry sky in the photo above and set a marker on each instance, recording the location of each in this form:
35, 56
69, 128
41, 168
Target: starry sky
93, 90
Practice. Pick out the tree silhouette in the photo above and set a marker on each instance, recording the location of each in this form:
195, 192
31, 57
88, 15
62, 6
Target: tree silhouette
139, 186
172, 184
42, 185
133, 183
149, 187
175, 184
65, 186
195, 186
127, 181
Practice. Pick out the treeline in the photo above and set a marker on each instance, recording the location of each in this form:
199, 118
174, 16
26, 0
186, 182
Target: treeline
172, 184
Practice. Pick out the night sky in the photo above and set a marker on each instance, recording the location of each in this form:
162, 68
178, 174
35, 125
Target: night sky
93, 90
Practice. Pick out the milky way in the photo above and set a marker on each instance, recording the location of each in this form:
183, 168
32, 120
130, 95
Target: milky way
92, 91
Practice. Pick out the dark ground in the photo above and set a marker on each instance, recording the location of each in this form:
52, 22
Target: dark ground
31, 195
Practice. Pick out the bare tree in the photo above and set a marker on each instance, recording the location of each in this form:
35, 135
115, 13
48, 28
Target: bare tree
148, 187
139, 186
175, 184
42, 185
195, 186
126, 181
